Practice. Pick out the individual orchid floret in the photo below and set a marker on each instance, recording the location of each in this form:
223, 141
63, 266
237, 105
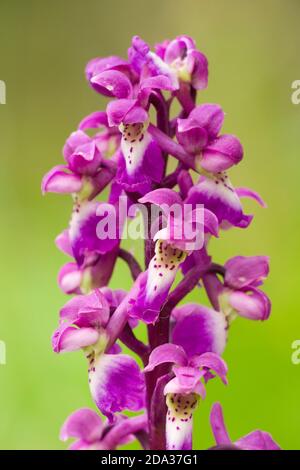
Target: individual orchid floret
95, 252
82, 154
199, 329
107, 138
217, 194
60, 180
183, 234
199, 135
184, 390
141, 161
147, 63
182, 56
91, 433
255, 440
85, 231
87, 169
83, 160
240, 294
74, 279
129, 112
115, 380
110, 76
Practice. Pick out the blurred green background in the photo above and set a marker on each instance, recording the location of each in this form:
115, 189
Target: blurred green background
254, 57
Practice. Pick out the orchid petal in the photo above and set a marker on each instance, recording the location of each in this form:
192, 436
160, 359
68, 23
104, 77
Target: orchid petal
68, 338
247, 192
58, 181
112, 83
116, 384
252, 304
69, 278
199, 329
159, 278
218, 425
162, 196
179, 421
125, 110
257, 440
84, 233
166, 353
83, 424
62, 241
101, 64
218, 195
94, 120
210, 360
87, 310
221, 154
242, 271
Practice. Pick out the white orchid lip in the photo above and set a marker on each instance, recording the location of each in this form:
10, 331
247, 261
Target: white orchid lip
179, 420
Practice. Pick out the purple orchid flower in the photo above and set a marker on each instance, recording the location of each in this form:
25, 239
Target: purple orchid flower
199, 135
200, 329
111, 76
84, 322
183, 391
83, 160
182, 235
87, 169
95, 255
240, 294
182, 56
86, 426
217, 194
107, 138
147, 63
255, 440
139, 149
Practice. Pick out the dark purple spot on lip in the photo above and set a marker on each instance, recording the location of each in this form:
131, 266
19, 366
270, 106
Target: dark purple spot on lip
178, 428
173, 419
